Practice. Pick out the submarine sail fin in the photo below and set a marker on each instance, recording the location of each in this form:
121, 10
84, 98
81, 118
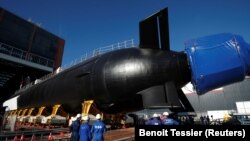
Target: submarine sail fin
154, 31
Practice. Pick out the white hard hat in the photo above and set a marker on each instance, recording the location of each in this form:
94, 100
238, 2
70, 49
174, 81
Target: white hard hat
98, 116
165, 113
74, 118
85, 118
78, 115
155, 115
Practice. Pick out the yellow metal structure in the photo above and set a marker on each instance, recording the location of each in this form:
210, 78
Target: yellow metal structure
86, 107
54, 111
8, 113
30, 111
14, 113
40, 111
24, 112
19, 112
11, 113
89, 106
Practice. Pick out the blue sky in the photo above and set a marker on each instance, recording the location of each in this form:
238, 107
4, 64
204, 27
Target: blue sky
86, 25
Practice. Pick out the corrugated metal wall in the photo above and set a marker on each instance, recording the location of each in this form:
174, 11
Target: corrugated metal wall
221, 99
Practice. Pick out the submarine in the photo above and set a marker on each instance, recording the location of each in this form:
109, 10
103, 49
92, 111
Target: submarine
148, 76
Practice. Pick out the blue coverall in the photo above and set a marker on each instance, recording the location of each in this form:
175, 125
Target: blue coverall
84, 132
97, 130
74, 129
154, 121
170, 121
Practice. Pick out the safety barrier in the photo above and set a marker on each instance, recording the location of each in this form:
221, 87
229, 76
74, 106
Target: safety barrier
102, 50
24, 55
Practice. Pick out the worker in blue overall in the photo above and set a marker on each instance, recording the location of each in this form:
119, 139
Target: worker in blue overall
169, 119
74, 128
84, 132
98, 129
154, 121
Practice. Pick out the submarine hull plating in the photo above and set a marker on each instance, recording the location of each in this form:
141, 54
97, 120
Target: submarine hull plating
112, 80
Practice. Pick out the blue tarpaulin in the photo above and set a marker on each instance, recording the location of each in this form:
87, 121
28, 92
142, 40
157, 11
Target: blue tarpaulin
217, 60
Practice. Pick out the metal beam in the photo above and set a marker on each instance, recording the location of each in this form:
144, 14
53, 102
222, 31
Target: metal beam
24, 62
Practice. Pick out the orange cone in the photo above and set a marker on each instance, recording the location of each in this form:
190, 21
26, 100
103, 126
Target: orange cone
50, 137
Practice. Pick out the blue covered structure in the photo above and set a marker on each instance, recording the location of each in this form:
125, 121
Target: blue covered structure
217, 60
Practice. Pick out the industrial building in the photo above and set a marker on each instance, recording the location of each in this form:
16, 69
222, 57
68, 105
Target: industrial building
27, 51
231, 98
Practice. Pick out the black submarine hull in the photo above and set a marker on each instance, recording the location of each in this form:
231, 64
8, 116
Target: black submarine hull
112, 80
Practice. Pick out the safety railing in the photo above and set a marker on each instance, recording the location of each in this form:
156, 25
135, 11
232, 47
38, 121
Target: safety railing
99, 51
24, 55
86, 56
